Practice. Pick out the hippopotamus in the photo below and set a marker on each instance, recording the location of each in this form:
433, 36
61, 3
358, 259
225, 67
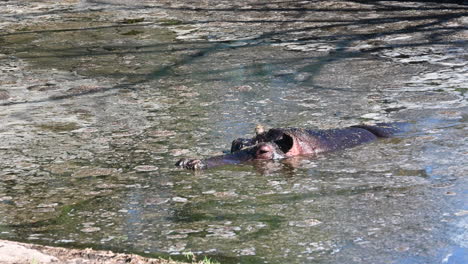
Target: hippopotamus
281, 143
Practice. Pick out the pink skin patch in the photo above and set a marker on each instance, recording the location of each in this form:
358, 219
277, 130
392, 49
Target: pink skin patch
299, 148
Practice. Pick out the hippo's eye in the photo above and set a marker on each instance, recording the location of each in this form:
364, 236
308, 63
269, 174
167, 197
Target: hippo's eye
262, 151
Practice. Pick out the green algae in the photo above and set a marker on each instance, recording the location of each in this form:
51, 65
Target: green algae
132, 33
59, 126
133, 20
170, 22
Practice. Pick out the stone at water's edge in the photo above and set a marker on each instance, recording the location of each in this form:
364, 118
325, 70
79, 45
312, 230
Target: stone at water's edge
21, 253
12, 252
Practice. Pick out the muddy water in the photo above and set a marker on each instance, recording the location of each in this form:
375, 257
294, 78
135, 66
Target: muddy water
99, 101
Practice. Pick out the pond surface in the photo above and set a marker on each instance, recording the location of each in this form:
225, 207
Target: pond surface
98, 101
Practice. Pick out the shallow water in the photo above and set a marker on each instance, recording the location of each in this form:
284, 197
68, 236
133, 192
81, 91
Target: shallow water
97, 113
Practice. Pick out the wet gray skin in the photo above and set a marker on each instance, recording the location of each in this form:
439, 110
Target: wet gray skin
280, 143
98, 100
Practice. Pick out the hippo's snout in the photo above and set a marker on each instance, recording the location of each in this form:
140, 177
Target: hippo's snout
268, 151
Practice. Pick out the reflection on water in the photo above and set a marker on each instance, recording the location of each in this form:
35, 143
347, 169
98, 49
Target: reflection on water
88, 160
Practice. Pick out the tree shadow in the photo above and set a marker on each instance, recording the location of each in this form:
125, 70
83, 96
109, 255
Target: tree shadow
434, 21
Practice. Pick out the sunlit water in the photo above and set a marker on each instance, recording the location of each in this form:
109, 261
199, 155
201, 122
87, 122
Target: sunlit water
93, 127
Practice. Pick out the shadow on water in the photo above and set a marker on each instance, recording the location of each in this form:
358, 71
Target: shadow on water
431, 24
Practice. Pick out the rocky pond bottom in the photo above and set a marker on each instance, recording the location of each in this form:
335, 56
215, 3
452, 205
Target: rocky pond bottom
99, 99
